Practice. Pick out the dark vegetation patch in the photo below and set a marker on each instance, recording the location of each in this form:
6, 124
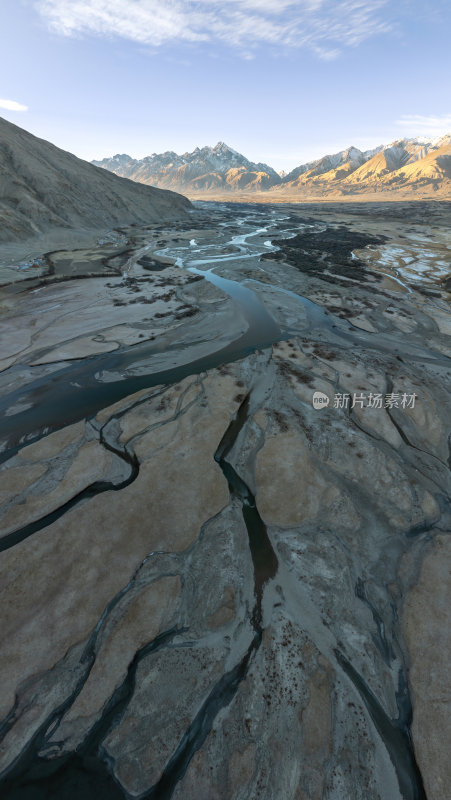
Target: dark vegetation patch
150, 264
281, 422
224, 369
303, 377
322, 351
189, 312
163, 404
430, 292
307, 429
287, 369
339, 311
317, 252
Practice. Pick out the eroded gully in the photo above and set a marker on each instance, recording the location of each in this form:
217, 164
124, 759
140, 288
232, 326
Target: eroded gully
78, 390
87, 772
93, 395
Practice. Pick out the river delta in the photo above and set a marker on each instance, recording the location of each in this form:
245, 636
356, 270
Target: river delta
212, 589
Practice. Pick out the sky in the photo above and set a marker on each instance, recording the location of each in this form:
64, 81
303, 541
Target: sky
282, 82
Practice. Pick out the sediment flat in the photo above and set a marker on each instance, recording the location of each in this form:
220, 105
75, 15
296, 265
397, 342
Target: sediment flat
212, 588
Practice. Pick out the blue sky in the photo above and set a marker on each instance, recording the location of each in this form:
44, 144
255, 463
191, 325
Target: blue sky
282, 82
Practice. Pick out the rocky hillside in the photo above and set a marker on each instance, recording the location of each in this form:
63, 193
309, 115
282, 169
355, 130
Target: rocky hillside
340, 164
44, 188
405, 166
419, 166
205, 169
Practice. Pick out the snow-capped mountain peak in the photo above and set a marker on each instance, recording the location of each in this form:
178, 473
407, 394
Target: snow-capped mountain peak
222, 169
203, 168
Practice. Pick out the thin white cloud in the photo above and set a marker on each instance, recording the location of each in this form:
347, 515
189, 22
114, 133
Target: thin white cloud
324, 26
12, 105
427, 125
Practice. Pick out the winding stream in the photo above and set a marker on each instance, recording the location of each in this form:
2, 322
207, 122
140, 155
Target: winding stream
78, 391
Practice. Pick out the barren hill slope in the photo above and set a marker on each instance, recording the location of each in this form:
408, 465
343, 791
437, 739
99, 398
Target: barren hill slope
435, 167
44, 188
407, 165
384, 172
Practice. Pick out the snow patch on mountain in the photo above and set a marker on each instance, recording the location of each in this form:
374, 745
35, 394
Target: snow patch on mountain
221, 168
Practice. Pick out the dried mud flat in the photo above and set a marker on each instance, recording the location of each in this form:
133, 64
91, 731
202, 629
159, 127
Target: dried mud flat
212, 589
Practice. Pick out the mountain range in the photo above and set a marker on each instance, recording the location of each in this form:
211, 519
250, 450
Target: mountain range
205, 169
418, 166
43, 188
